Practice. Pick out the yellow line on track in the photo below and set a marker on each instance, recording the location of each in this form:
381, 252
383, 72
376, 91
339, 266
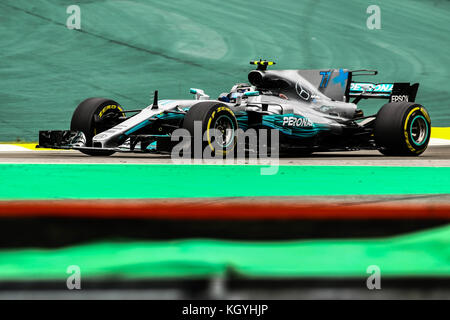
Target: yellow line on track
440, 133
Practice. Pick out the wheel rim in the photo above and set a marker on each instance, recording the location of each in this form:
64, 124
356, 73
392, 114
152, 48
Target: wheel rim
225, 126
419, 130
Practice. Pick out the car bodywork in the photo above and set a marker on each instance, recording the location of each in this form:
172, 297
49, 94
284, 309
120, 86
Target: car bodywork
313, 110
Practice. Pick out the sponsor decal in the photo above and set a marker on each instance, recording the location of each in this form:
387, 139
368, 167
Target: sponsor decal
325, 77
302, 92
371, 87
297, 122
341, 78
399, 98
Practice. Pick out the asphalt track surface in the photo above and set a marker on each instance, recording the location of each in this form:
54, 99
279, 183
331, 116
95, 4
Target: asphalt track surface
434, 156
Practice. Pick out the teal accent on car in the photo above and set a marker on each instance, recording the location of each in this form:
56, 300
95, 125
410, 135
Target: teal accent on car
410, 130
251, 93
276, 122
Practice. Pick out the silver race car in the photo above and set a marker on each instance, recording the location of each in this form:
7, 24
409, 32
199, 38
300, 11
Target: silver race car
312, 110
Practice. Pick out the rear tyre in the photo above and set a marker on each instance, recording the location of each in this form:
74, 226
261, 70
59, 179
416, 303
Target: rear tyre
402, 129
218, 125
84, 120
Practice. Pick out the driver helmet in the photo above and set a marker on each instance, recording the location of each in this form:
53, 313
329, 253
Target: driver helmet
238, 90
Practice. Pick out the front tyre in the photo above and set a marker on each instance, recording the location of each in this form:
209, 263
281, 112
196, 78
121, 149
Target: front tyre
402, 129
95, 115
218, 127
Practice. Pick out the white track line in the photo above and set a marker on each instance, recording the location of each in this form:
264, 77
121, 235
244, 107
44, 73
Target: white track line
439, 142
12, 147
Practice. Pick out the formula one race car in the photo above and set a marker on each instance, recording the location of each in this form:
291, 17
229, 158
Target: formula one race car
310, 109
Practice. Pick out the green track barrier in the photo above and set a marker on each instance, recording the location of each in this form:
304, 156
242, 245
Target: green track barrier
127, 49
419, 254
92, 181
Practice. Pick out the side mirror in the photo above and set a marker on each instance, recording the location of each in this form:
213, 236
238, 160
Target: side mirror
199, 94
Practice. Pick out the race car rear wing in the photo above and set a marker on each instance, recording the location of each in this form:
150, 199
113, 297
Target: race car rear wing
395, 92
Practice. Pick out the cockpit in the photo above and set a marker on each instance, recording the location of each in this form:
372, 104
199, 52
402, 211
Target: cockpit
236, 92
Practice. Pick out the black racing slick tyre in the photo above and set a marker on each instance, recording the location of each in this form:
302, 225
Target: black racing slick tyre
218, 129
402, 129
87, 119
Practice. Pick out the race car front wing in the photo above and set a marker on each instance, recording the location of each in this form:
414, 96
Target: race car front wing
70, 139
